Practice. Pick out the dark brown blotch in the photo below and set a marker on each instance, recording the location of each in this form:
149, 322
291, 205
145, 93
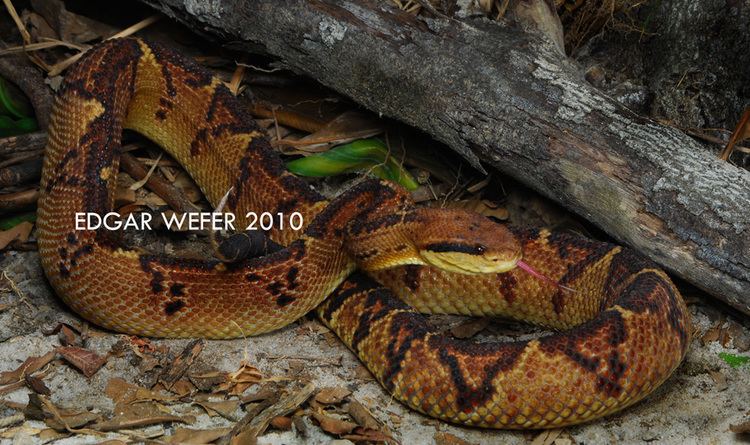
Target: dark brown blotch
412, 274
157, 282
367, 254
178, 65
291, 277
507, 284
353, 286
376, 307
274, 288
199, 143
405, 329
177, 289
64, 271
173, 306
284, 299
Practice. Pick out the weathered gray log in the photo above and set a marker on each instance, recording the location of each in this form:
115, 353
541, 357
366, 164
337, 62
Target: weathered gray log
495, 93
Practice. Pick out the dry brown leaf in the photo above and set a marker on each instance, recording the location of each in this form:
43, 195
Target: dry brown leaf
238, 381
123, 392
362, 373
37, 26
206, 381
67, 336
740, 337
183, 387
286, 116
540, 16
119, 391
720, 380
547, 437
143, 346
31, 365
180, 365
185, 183
13, 432
224, 408
49, 435
369, 436
363, 416
60, 419
136, 415
283, 423
449, 439
37, 385
71, 420
259, 417
19, 232
191, 436
59, 327
740, 428
88, 362
333, 425
244, 438
332, 395
266, 392
149, 200
127, 422
712, 334
347, 127
470, 327
484, 207
69, 26
124, 196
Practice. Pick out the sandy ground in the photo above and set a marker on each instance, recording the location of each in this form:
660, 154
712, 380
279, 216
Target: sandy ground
695, 406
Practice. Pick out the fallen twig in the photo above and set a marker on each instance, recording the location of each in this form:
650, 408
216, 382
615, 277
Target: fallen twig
23, 143
166, 191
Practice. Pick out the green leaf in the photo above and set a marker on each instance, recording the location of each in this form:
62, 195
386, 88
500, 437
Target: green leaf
11, 127
735, 361
10, 222
13, 102
16, 112
364, 154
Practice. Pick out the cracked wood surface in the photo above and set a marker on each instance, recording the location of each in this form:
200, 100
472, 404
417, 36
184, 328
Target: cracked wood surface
503, 98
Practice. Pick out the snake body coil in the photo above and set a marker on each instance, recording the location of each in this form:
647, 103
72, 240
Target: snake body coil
626, 326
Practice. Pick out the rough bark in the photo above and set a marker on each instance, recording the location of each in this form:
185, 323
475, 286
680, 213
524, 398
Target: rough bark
697, 63
495, 93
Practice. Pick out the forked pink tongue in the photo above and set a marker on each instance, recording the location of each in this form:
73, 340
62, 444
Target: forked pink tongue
531, 271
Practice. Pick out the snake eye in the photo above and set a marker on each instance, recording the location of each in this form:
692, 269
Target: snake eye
479, 248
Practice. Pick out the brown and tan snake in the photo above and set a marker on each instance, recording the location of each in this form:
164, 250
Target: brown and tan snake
620, 325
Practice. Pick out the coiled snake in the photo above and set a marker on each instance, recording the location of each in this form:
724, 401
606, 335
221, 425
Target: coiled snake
623, 325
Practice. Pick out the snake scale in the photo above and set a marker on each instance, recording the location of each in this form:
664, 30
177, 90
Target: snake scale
620, 327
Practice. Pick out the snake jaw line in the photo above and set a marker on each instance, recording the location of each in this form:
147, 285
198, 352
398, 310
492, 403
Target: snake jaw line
468, 264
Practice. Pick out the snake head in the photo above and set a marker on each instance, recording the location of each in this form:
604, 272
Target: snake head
465, 242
